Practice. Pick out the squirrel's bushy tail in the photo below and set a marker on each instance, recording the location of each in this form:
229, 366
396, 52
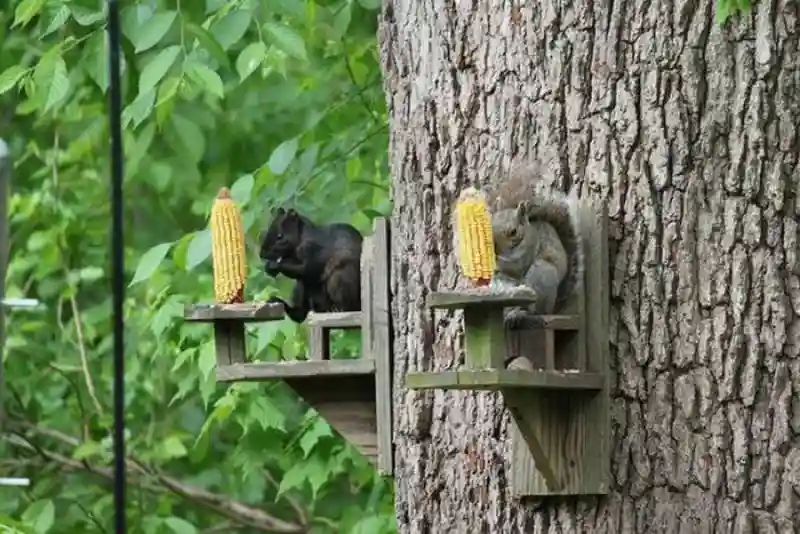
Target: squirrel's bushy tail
560, 210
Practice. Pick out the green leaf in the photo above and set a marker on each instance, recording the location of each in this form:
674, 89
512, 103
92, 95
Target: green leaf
287, 40
209, 44
139, 109
369, 525
165, 315
231, 28
18, 528
180, 526
282, 157
59, 85
172, 447
293, 478
150, 33
95, 59
370, 4
723, 11
242, 188
206, 78
149, 262
52, 83
199, 249
311, 436
40, 515
155, 71
87, 17
318, 474
341, 21
250, 59
207, 360
133, 17
59, 19
266, 413
26, 10
10, 77
88, 449
191, 137
166, 98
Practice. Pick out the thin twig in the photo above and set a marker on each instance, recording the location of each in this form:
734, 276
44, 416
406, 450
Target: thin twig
301, 513
360, 90
76, 317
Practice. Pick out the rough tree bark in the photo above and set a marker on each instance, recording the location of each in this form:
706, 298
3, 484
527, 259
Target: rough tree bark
690, 132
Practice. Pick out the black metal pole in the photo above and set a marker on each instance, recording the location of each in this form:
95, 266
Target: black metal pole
5, 177
117, 262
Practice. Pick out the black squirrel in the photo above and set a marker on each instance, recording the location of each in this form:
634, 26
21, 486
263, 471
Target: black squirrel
324, 260
537, 242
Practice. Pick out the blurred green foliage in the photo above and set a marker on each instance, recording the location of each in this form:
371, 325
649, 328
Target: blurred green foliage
281, 100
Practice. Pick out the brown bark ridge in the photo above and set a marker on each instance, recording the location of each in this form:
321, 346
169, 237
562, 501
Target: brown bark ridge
690, 131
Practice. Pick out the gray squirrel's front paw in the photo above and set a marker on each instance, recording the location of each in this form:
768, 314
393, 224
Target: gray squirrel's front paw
514, 317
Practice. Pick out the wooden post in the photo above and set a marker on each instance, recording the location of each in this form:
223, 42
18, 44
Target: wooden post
376, 335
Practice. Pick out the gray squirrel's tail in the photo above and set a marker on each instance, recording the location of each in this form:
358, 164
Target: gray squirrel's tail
523, 186
560, 211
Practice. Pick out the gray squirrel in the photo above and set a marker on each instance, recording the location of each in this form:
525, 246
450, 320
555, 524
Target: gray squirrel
537, 243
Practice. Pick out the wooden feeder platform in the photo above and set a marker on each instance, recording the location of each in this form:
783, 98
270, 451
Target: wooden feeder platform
354, 396
556, 384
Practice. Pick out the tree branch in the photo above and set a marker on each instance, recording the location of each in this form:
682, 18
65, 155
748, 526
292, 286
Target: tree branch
76, 317
234, 510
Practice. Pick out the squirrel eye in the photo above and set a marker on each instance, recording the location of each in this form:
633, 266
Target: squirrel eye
280, 235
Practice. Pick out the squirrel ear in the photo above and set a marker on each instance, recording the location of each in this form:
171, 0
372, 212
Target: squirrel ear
522, 212
278, 211
291, 213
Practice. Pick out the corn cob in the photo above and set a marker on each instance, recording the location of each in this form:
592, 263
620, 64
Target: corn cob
474, 236
227, 249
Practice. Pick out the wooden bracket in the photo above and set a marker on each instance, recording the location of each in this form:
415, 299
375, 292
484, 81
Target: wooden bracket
556, 385
354, 396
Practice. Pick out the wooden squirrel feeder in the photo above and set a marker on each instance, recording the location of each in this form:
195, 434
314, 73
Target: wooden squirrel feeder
556, 386
355, 395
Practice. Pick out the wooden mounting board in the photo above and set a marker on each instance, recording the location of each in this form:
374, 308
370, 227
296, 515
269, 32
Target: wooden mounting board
245, 312
495, 380
342, 320
239, 372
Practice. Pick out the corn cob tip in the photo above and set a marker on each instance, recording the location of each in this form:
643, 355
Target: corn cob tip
471, 193
224, 192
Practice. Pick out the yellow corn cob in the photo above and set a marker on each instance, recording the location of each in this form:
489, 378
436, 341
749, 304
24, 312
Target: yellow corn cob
474, 236
227, 249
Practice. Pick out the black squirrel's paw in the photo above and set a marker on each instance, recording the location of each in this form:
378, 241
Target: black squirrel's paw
276, 300
271, 267
514, 317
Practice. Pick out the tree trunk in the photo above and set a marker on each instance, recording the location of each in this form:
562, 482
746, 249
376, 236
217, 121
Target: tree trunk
690, 132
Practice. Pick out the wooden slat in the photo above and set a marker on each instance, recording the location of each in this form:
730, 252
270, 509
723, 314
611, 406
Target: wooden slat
493, 380
294, 369
355, 421
230, 342
319, 346
480, 298
550, 322
376, 337
485, 336
343, 320
247, 312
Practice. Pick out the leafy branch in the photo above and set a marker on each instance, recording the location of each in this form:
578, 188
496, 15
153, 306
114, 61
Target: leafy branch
151, 479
